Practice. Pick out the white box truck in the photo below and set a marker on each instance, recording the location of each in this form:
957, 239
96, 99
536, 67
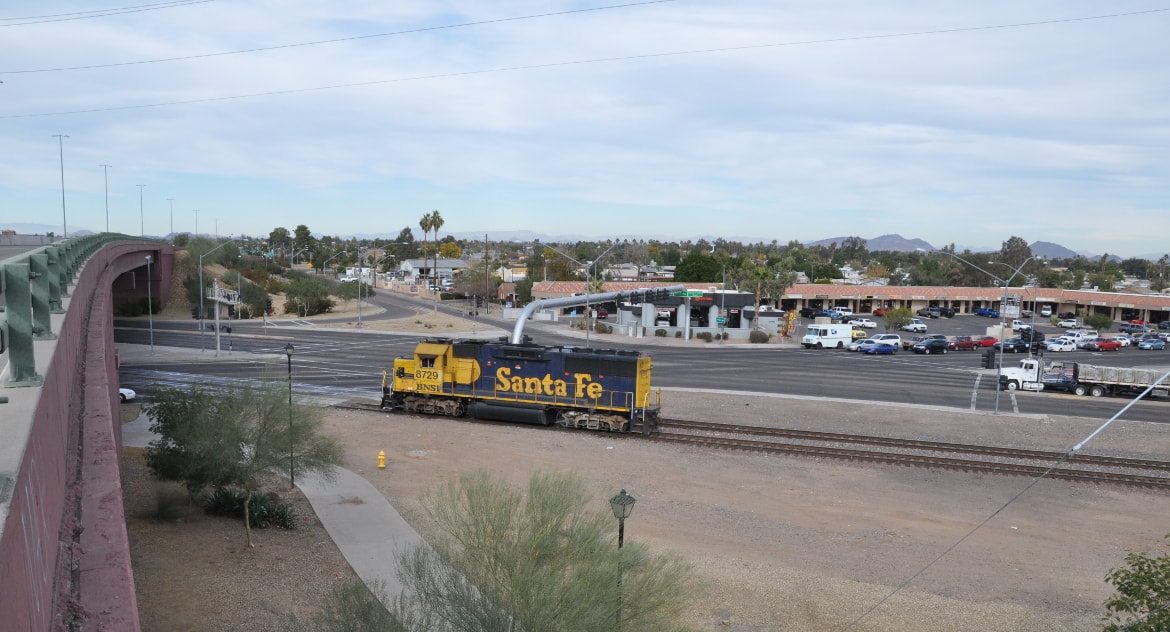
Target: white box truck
826, 335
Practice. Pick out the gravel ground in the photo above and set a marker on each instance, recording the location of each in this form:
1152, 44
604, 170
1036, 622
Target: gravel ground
779, 543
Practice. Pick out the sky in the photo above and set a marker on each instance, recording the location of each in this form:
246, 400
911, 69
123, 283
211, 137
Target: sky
951, 121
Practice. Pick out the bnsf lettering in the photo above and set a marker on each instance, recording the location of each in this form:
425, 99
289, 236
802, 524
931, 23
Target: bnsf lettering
583, 385
428, 388
426, 374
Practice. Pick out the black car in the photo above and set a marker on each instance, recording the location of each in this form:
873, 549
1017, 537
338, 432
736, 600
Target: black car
1013, 345
1164, 324
931, 345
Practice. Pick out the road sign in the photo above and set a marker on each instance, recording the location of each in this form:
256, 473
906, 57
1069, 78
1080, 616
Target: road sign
688, 293
719, 320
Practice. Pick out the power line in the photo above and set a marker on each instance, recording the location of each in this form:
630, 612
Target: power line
340, 39
99, 13
486, 71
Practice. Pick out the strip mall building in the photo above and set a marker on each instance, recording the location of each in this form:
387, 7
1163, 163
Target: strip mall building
863, 299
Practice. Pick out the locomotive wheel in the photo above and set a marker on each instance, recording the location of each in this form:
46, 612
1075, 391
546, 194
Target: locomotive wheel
458, 411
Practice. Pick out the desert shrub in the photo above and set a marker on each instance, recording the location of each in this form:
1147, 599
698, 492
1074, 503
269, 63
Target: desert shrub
602, 328
264, 509
660, 333
705, 336
723, 335
225, 501
758, 336
678, 334
284, 516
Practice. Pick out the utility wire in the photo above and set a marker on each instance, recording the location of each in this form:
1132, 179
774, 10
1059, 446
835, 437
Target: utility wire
99, 13
1064, 458
466, 73
334, 41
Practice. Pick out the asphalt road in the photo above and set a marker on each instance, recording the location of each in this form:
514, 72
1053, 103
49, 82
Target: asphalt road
340, 365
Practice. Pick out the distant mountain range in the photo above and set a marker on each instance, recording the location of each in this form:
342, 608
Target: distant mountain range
894, 242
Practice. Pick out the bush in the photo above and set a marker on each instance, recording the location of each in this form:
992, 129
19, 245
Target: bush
705, 336
265, 510
660, 333
724, 335
758, 336
602, 328
678, 334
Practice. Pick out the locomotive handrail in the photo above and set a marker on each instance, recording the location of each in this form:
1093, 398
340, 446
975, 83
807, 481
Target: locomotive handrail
646, 294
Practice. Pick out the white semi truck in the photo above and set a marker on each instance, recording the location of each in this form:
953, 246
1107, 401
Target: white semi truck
1082, 379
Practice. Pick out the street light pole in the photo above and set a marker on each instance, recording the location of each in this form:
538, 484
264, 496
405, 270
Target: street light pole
141, 217
106, 178
172, 201
288, 351
1002, 304
196, 212
61, 150
1003, 326
622, 505
149, 305
588, 280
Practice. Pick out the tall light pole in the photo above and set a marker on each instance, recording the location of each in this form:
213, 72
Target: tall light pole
622, 505
196, 212
172, 201
61, 150
106, 178
141, 217
1002, 304
149, 305
588, 280
288, 351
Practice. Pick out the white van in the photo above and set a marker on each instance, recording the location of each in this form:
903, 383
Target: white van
824, 335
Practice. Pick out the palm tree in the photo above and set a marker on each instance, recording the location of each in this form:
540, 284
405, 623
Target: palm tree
425, 224
436, 224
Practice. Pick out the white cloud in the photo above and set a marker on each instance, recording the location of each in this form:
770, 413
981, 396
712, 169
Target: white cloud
952, 137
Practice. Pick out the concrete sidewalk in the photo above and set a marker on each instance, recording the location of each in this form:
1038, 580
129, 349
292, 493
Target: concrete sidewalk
361, 522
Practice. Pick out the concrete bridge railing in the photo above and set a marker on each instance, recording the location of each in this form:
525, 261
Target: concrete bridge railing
64, 554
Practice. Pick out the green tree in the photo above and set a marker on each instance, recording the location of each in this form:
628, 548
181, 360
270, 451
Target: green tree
426, 223
897, 317
1100, 322
306, 296
698, 267
1014, 252
193, 445
350, 291
1142, 602
233, 436
541, 560
279, 239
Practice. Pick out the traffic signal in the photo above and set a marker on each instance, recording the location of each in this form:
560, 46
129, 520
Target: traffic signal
195, 313
231, 311
635, 297
268, 305
988, 361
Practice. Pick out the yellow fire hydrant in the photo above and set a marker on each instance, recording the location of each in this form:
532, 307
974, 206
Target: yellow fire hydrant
381, 459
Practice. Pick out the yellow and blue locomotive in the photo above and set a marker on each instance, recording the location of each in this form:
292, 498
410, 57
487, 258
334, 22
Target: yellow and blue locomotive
597, 389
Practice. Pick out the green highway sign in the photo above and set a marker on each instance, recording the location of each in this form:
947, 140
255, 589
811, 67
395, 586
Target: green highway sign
719, 320
688, 293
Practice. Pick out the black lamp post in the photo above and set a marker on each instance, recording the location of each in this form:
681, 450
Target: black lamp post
288, 351
622, 505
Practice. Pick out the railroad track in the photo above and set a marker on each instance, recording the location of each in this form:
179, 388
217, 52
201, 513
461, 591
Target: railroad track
913, 452
933, 454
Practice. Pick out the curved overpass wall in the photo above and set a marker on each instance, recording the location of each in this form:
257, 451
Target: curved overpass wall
64, 553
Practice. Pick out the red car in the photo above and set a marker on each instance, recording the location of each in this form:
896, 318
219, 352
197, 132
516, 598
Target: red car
1103, 344
987, 341
963, 343
881, 311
